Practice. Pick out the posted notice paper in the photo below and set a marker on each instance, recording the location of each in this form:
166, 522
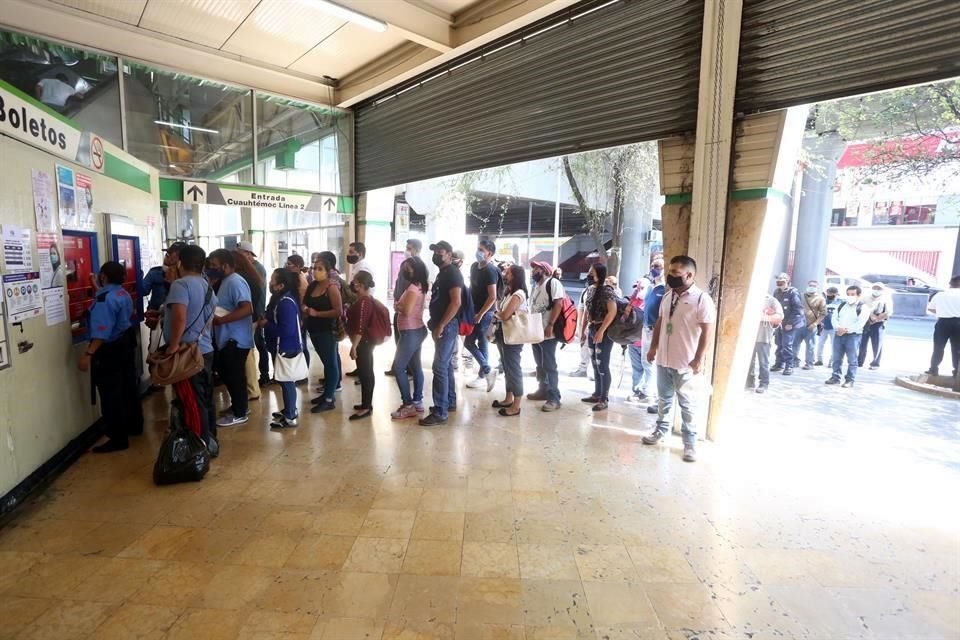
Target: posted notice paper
43, 201
17, 253
55, 305
22, 293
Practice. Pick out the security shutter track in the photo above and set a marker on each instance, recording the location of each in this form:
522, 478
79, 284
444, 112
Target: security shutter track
794, 53
609, 73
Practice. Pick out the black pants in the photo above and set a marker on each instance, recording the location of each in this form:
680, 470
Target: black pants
260, 342
115, 377
946, 330
365, 373
872, 334
233, 373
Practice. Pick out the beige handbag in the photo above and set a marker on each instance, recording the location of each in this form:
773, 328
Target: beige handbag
186, 362
523, 327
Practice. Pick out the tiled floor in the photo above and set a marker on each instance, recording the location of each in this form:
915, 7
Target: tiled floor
819, 517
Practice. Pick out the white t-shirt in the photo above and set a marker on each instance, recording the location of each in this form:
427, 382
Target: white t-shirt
946, 304
540, 298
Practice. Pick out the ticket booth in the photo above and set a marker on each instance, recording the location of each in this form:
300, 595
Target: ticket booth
126, 251
81, 261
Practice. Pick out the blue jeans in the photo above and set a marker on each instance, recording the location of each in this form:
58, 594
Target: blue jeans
289, 392
406, 359
327, 348
846, 345
786, 347
670, 383
444, 380
807, 337
601, 365
476, 343
641, 369
512, 372
826, 334
761, 358
545, 355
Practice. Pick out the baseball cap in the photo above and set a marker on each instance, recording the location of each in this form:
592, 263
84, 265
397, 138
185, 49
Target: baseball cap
176, 247
247, 247
443, 245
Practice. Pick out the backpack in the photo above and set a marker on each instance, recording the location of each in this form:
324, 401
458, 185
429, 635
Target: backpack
467, 312
627, 327
379, 327
565, 326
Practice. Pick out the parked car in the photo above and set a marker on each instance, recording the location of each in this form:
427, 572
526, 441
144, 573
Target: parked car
842, 282
904, 283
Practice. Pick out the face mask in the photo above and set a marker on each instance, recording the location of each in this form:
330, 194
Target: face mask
656, 271
876, 294
353, 287
537, 276
408, 254
851, 299
781, 285
811, 289
214, 274
354, 259
438, 259
675, 282
319, 275
831, 298
54, 261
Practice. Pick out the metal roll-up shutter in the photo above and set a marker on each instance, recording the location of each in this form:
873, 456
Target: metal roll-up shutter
795, 52
600, 74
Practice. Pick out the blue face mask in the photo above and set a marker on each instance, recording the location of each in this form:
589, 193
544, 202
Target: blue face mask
481, 256
213, 274
811, 289
655, 272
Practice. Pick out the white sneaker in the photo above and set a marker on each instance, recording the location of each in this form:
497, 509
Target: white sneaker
479, 383
491, 379
232, 421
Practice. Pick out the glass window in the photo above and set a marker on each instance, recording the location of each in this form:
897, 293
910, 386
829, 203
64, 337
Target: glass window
81, 85
298, 145
185, 126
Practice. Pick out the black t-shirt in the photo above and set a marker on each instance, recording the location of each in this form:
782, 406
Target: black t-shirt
319, 302
481, 277
449, 278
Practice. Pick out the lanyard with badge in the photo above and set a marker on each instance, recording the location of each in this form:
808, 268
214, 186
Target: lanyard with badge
674, 301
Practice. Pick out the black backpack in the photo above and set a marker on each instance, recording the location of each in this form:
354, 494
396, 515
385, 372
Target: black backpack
627, 327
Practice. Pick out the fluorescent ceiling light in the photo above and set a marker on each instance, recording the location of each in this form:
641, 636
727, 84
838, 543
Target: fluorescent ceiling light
184, 126
349, 14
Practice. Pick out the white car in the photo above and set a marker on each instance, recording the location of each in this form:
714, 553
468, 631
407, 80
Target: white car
842, 282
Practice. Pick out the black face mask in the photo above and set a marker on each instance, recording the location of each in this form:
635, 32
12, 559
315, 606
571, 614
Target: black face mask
675, 282
537, 277
831, 298
438, 259
354, 259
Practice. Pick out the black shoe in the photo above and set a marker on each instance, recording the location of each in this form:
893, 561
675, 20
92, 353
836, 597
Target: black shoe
388, 372
300, 383
653, 409
361, 415
110, 446
451, 409
324, 405
932, 372
653, 438
352, 374
818, 363
359, 407
788, 371
264, 382
432, 420
590, 400
762, 389
833, 381
776, 367
537, 395
847, 384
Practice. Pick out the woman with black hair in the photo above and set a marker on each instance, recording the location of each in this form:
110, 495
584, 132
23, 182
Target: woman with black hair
359, 316
412, 332
323, 307
515, 299
283, 337
601, 310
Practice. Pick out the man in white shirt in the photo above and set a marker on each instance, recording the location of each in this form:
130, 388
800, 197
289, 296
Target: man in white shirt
547, 300
880, 304
357, 259
679, 346
946, 305
852, 316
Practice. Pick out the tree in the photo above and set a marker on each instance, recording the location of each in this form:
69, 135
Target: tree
603, 182
502, 180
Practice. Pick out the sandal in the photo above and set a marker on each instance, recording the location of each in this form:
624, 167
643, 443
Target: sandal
501, 405
507, 414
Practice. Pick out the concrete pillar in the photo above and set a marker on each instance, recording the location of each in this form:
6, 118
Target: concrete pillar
816, 206
374, 220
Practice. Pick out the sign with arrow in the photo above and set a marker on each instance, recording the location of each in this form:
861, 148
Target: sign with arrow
195, 192
329, 205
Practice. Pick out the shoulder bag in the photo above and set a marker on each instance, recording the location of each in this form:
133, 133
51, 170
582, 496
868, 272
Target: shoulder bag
170, 368
523, 327
290, 369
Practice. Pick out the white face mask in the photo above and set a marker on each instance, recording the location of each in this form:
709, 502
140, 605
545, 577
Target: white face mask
408, 253
851, 299
876, 293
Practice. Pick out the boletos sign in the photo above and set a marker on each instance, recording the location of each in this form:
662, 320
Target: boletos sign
25, 119
238, 196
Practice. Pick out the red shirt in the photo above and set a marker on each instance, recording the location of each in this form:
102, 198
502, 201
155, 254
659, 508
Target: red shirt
358, 316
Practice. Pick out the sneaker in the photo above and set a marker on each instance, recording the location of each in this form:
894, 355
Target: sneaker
833, 381
847, 384
232, 421
478, 383
874, 367
776, 367
419, 407
404, 412
932, 372
323, 405
432, 420
388, 372
277, 415
807, 367
788, 371
550, 407
762, 389
653, 409
538, 395
450, 409
352, 374
590, 400
579, 373
653, 438
600, 406
491, 379
818, 363
689, 454
283, 423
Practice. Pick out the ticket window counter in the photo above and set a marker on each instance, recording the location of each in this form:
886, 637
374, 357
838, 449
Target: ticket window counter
126, 251
81, 260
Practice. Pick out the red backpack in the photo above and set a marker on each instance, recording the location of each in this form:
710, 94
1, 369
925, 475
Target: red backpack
379, 328
565, 326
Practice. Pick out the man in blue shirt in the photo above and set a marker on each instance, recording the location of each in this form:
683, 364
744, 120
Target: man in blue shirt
110, 356
651, 311
794, 321
190, 307
233, 330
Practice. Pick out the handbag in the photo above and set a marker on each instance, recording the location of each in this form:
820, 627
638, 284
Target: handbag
170, 368
523, 327
290, 369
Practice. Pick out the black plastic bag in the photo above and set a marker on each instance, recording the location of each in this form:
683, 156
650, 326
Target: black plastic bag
183, 456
